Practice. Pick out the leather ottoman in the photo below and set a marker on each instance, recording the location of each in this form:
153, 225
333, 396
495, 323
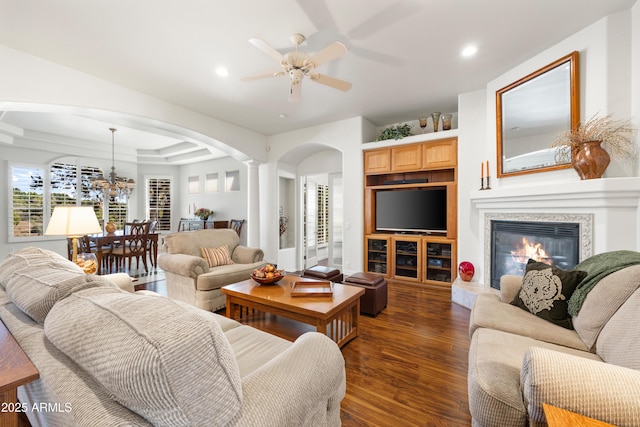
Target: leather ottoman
323, 273
375, 291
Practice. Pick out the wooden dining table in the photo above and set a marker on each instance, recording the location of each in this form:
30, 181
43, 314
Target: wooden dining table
105, 239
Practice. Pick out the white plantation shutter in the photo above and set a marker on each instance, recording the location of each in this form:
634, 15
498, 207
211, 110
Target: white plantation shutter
159, 202
323, 214
27, 202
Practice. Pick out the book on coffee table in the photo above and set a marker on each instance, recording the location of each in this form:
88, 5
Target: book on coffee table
316, 288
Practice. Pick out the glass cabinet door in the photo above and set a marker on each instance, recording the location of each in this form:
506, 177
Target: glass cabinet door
377, 259
438, 262
406, 258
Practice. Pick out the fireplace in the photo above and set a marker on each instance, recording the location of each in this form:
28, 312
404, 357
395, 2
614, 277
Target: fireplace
513, 243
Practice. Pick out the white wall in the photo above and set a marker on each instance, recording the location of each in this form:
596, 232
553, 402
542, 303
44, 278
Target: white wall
225, 205
606, 59
345, 136
34, 84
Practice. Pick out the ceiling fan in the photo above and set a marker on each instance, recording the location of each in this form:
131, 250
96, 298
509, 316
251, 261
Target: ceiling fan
298, 64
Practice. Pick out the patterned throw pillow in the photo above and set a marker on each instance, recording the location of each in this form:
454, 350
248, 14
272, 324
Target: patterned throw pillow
545, 291
217, 256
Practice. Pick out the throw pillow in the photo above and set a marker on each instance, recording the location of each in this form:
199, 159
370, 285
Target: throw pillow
37, 288
545, 291
217, 256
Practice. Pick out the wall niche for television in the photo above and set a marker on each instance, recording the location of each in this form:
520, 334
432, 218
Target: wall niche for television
410, 196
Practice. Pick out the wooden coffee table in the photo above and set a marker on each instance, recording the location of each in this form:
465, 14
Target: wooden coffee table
336, 316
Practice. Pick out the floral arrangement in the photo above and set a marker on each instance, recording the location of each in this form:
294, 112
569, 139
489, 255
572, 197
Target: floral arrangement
616, 135
203, 213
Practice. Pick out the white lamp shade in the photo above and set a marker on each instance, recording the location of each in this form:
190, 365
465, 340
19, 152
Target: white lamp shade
73, 221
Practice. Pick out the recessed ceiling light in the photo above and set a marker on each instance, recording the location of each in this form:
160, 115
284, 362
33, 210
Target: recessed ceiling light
282, 116
222, 71
469, 50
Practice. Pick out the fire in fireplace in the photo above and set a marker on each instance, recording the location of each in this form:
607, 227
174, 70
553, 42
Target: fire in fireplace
513, 243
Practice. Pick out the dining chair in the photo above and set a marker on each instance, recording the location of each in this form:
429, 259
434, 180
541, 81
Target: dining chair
134, 245
236, 225
152, 229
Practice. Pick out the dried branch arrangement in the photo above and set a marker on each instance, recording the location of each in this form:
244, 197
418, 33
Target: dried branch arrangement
617, 136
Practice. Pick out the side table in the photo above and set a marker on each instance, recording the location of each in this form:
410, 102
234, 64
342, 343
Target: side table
558, 417
15, 370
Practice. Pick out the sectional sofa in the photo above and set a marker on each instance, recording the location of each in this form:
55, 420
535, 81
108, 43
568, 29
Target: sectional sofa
110, 357
518, 360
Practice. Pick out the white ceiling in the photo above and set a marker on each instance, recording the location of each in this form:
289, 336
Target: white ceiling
404, 57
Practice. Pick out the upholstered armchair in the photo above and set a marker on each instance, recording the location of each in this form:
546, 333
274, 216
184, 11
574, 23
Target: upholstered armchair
196, 279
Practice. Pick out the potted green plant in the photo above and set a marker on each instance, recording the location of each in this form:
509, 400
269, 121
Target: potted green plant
395, 132
582, 146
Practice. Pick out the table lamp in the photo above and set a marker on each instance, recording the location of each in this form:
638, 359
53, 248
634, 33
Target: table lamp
74, 222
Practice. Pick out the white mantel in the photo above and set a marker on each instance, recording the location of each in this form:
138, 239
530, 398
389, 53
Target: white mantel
609, 193
614, 204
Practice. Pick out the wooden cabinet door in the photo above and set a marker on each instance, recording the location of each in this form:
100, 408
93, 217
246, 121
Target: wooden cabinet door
406, 158
377, 161
441, 154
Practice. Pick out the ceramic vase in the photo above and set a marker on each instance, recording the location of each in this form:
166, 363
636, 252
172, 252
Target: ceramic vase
110, 227
466, 270
590, 160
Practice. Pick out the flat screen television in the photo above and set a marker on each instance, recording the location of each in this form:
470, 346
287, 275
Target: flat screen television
416, 210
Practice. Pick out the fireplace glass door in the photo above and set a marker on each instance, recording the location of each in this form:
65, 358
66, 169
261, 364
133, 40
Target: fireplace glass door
513, 243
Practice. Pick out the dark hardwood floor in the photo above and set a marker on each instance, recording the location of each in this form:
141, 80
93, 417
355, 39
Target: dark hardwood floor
408, 366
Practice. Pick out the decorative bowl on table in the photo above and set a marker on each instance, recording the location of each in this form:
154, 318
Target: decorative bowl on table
87, 262
267, 275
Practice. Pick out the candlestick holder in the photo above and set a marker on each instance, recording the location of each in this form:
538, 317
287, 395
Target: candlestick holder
481, 183
488, 187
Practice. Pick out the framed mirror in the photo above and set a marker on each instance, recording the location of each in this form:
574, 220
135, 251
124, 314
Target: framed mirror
532, 112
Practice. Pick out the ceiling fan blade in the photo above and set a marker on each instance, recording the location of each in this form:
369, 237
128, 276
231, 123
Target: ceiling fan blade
334, 51
259, 76
294, 91
319, 14
389, 16
266, 48
330, 81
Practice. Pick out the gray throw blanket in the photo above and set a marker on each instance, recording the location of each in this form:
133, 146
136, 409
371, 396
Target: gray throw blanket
597, 267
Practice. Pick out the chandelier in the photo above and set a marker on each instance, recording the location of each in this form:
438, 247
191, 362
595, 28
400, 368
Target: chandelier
114, 185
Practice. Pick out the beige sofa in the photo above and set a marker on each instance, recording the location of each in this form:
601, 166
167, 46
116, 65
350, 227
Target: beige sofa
108, 357
189, 277
518, 361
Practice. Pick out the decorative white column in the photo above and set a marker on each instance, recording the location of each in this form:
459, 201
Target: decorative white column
253, 204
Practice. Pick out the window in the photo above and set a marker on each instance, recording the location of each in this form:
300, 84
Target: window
211, 183
159, 202
37, 190
194, 184
232, 181
64, 187
118, 211
27, 202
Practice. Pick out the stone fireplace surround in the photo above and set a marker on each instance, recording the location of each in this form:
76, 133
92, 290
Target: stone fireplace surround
585, 223
607, 210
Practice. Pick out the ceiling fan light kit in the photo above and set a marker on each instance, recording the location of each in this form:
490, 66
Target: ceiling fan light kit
298, 64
